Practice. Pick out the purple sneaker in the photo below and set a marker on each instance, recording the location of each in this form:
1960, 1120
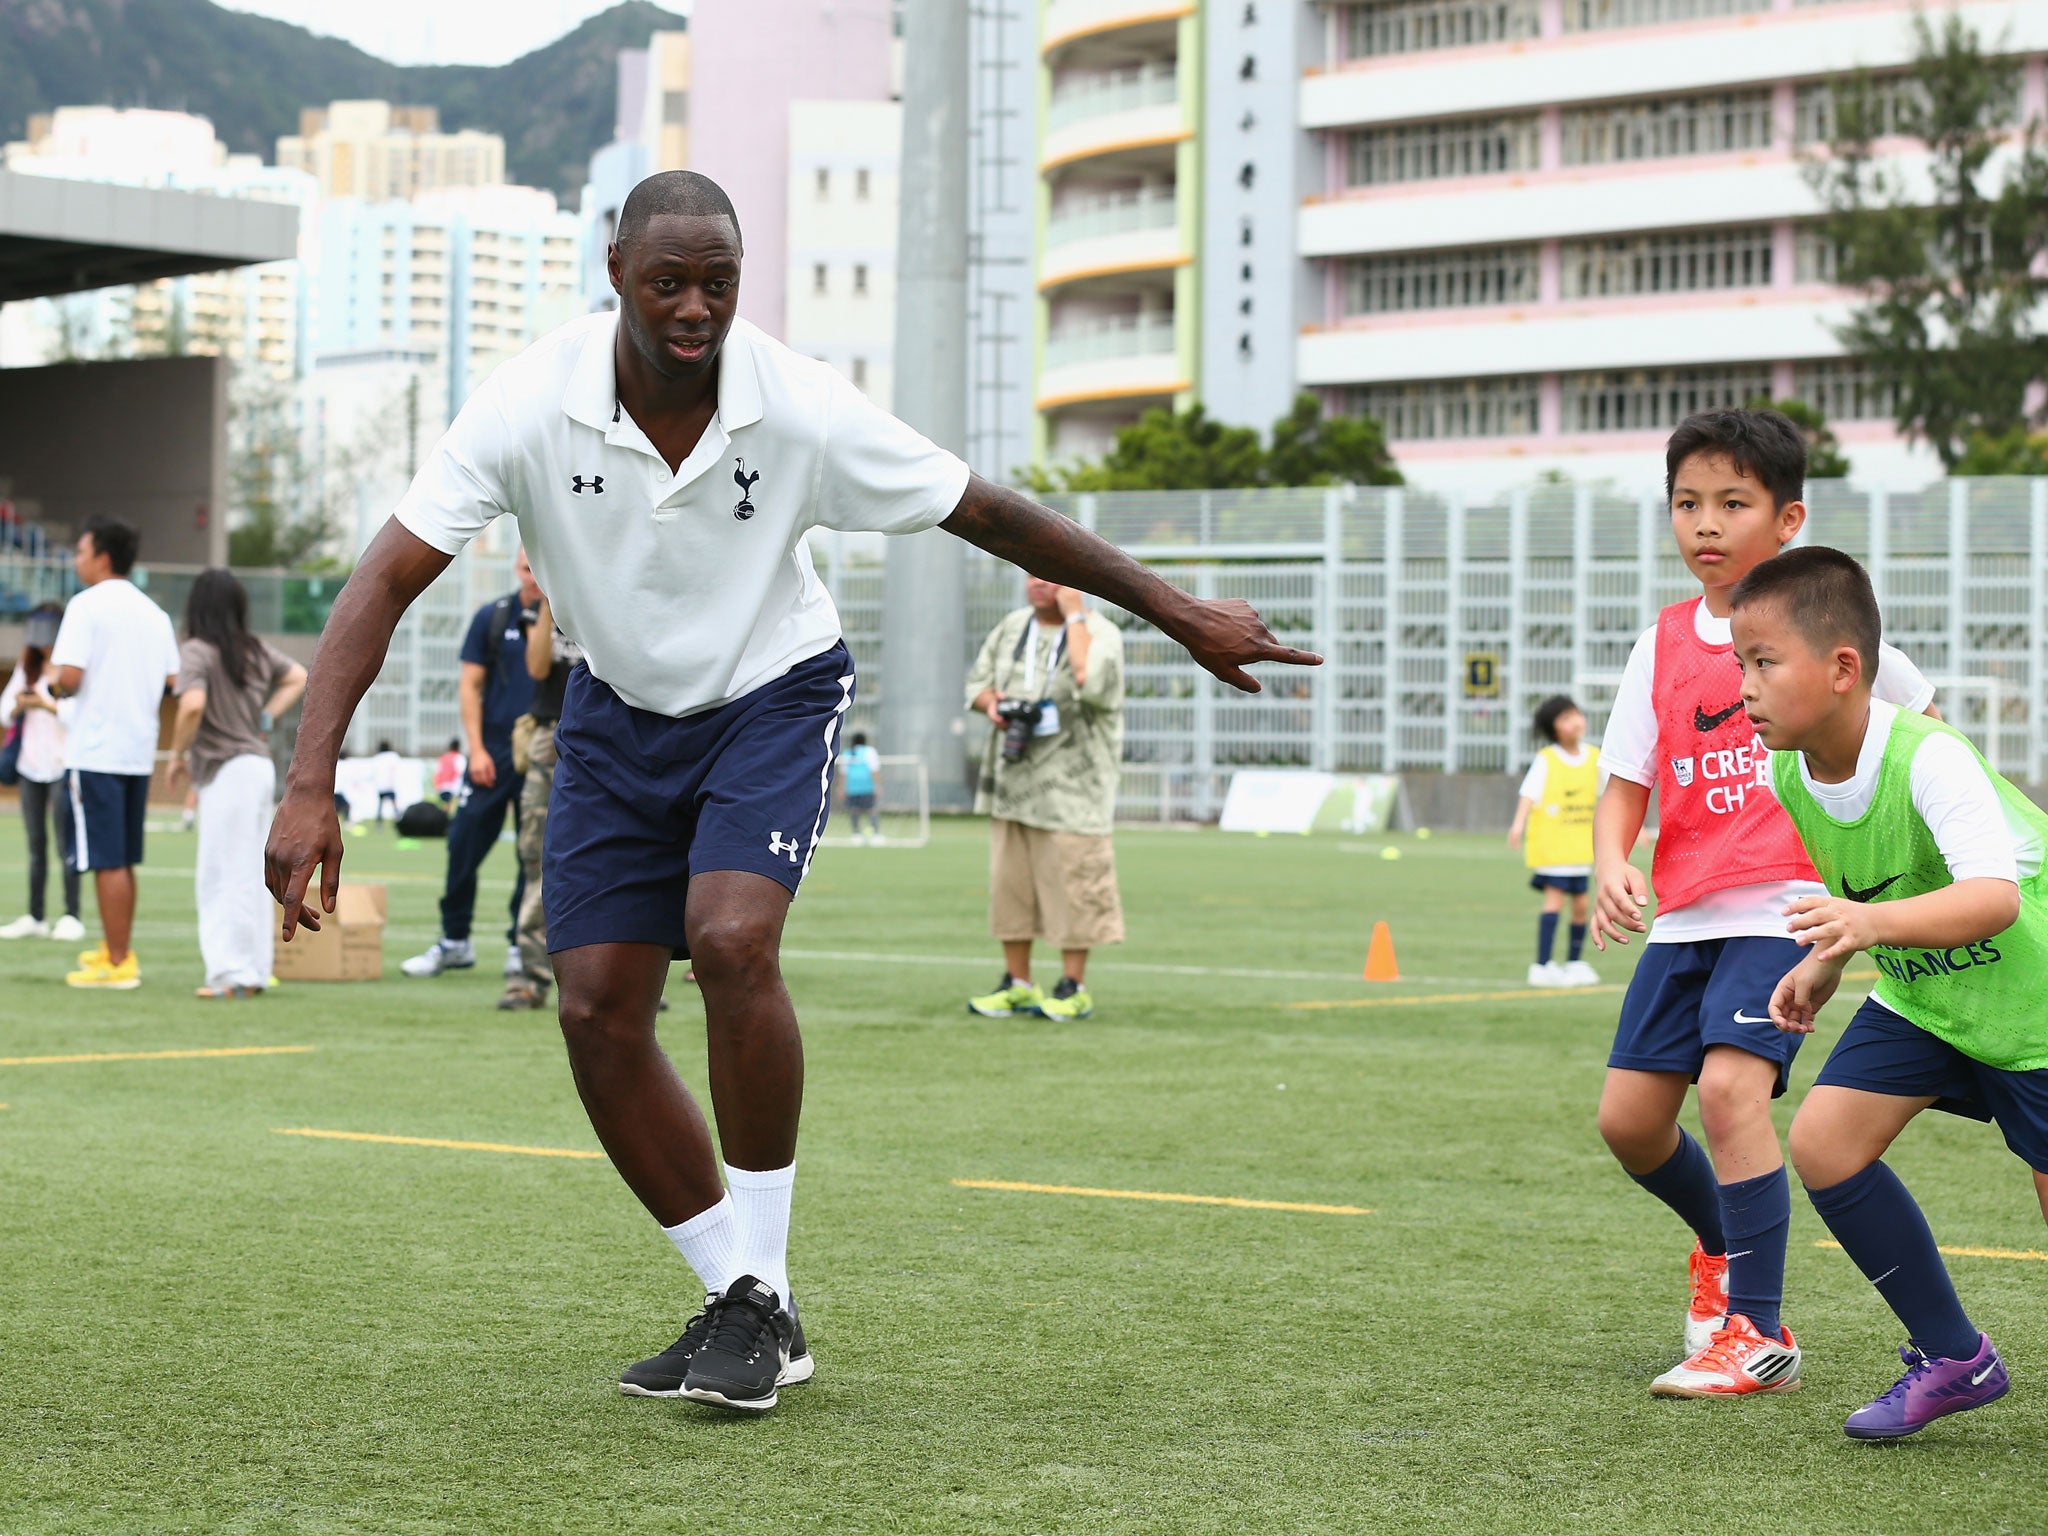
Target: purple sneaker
1930, 1389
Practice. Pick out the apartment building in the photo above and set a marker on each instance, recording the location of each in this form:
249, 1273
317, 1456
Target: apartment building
840, 286
468, 277
1537, 233
380, 152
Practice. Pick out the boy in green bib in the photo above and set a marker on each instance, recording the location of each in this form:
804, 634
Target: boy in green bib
1935, 868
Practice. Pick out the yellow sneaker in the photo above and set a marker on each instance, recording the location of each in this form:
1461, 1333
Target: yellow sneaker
125, 977
97, 955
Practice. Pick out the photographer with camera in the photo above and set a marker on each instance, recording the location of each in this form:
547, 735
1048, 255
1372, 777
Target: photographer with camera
1050, 680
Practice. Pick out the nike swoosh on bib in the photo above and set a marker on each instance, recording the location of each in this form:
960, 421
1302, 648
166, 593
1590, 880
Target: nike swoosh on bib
1704, 722
1878, 889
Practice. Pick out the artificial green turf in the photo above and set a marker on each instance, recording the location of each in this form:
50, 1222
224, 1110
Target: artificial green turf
215, 1328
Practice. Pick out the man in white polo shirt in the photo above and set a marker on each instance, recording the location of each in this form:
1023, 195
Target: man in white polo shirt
117, 654
664, 464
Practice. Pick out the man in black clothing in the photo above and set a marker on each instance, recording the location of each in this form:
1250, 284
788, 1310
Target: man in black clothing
496, 691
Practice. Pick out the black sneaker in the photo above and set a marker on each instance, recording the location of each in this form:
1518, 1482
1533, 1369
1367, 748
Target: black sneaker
753, 1345
662, 1375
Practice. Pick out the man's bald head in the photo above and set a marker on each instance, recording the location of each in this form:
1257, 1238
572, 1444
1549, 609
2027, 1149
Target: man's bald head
678, 194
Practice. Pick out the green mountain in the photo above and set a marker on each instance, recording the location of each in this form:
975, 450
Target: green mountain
251, 75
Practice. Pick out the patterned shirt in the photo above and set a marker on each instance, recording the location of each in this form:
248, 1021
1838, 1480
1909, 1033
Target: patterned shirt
1067, 781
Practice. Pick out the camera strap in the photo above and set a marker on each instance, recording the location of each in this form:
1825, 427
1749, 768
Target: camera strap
1028, 654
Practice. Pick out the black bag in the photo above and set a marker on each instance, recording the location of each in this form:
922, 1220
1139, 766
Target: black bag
423, 818
10, 755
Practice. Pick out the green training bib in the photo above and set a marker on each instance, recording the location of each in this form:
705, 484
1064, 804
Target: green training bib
1989, 999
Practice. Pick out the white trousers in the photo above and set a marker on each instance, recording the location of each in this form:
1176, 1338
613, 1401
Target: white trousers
235, 911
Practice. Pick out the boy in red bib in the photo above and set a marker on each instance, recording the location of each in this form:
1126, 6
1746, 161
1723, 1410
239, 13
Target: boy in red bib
1727, 864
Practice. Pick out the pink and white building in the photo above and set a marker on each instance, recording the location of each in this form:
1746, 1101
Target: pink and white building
1536, 233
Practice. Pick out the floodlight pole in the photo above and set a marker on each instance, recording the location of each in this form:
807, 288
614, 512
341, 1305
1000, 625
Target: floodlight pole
924, 585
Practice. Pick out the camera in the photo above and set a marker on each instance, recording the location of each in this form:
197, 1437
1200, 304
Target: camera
1020, 719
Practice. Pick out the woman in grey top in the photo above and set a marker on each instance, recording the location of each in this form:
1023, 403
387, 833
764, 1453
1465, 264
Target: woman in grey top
230, 685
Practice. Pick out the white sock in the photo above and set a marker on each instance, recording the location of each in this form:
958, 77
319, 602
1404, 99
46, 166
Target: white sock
762, 1202
710, 1240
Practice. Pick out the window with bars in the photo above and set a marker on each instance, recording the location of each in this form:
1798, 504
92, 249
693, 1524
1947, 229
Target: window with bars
1686, 262
1842, 389
1816, 258
1716, 123
1657, 399
1889, 104
1476, 146
1600, 15
1382, 27
1498, 274
1448, 408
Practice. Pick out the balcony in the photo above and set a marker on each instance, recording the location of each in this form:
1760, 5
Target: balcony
1083, 96
1066, 20
1126, 231
1102, 112
1579, 335
1131, 355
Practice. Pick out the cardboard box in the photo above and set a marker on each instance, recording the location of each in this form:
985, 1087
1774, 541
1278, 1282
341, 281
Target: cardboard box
349, 945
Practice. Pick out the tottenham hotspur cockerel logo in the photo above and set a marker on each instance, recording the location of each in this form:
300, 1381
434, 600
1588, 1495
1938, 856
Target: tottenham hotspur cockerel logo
745, 482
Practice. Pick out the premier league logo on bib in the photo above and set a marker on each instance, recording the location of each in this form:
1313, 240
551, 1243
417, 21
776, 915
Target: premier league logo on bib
1681, 770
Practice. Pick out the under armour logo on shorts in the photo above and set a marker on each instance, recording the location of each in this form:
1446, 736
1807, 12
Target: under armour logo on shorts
776, 844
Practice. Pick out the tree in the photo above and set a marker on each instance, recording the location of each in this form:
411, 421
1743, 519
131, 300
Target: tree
278, 519
1191, 451
1952, 285
1824, 457
2018, 452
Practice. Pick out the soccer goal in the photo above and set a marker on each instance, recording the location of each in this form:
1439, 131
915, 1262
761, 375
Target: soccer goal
1974, 705
903, 802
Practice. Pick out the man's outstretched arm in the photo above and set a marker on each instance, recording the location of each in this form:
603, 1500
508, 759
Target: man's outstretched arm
1225, 635
396, 568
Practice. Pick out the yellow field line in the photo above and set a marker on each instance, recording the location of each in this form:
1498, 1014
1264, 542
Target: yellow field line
1487, 997
231, 1050
1960, 1252
434, 1141
1144, 1194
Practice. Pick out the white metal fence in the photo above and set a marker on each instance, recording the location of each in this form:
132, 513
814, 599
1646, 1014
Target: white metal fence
1445, 620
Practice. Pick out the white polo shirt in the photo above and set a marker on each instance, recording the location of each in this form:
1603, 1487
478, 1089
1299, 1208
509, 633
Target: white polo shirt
128, 651
691, 589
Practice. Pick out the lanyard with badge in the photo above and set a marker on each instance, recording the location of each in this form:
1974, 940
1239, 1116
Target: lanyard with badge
1048, 712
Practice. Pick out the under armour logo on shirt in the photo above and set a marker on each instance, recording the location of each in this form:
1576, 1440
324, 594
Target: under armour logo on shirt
595, 485
777, 844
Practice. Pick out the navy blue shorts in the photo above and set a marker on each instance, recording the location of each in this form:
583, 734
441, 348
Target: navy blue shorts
1686, 997
106, 818
1571, 885
864, 802
643, 801
1881, 1052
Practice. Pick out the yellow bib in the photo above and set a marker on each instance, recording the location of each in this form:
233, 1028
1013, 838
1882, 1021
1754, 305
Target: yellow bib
1561, 822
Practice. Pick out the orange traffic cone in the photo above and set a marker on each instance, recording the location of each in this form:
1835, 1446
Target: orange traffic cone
1379, 958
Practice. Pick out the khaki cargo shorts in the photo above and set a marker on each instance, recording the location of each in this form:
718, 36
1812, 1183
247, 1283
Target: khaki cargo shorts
1055, 886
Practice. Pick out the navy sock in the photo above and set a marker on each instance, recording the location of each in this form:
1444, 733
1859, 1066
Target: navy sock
1686, 1183
1578, 940
1880, 1226
1756, 1216
1546, 937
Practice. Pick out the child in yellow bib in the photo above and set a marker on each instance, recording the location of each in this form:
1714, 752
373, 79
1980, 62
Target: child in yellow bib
1554, 827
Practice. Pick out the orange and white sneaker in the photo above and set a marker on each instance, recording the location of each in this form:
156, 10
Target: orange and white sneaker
1707, 1313
1737, 1360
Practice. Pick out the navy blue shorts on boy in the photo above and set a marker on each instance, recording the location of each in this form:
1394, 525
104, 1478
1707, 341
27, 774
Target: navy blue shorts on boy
1882, 1052
1571, 885
106, 818
644, 801
1686, 997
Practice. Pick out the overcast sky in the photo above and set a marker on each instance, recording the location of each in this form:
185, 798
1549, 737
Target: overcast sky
439, 31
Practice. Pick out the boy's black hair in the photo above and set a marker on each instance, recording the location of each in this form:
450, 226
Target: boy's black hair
1824, 594
383, 746
454, 744
116, 540
1547, 715
1763, 443
860, 738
